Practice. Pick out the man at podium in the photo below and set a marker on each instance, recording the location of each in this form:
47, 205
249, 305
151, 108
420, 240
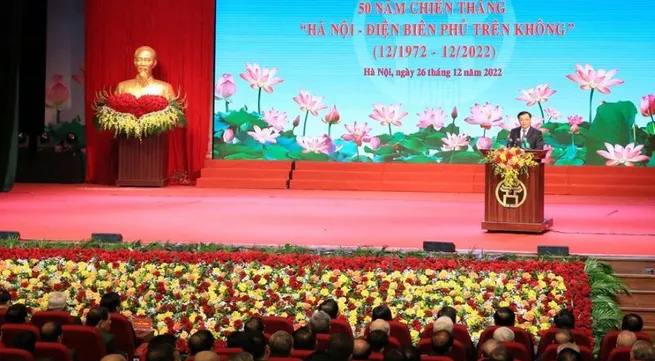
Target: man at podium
526, 136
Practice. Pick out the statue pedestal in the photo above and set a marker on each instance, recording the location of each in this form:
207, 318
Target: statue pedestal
143, 163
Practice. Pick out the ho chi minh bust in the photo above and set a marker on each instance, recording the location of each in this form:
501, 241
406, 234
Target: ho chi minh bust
145, 59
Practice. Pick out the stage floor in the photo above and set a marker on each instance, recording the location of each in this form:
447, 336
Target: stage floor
588, 225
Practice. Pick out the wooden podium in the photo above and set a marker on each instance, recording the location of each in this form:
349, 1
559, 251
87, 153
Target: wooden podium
143, 163
517, 209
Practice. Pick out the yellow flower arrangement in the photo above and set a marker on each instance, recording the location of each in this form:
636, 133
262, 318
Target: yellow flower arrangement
510, 163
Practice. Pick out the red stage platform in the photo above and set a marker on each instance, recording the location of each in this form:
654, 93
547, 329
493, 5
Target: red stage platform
587, 224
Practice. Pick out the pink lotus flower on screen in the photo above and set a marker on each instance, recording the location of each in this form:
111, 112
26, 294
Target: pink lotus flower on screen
432, 117
388, 115
266, 135
539, 94
483, 143
552, 113
547, 159
357, 134
575, 120
454, 142
647, 106
57, 92
454, 114
228, 135
485, 115
309, 103
375, 143
79, 77
260, 78
590, 79
276, 119
225, 87
617, 154
332, 117
322, 144
296, 121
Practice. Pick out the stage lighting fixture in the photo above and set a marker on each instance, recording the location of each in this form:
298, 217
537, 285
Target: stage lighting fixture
448, 247
70, 142
45, 142
552, 251
23, 140
107, 237
9, 235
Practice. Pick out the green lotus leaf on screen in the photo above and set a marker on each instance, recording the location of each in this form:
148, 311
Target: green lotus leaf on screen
415, 144
502, 135
434, 140
244, 118
450, 128
222, 150
574, 161
612, 124
467, 157
421, 158
276, 152
309, 156
243, 156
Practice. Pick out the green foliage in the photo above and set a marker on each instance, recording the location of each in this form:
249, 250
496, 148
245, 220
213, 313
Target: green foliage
612, 124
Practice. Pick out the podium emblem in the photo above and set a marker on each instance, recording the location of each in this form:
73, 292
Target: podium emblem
511, 196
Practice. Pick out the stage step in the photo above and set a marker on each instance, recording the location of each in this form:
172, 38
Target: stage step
241, 183
636, 266
640, 282
387, 186
245, 174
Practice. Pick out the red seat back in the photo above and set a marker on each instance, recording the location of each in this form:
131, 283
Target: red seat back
457, 352
12, 354
518, 351
123, 331
10, 330
322, 341
52, 351
400, 332
341, 326
548, 337
274, 324
60, 317
227, 351
620, 354
86, 341
301, 354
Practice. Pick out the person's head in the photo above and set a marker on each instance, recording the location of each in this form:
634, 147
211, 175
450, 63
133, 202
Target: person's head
254, 324
568, 345
51, 332
394, 355
202, 340
412, 353
235, 339
361, 349
281, 344
382, 312
161, 352
525, 119
500, 354
166, 340
569, 354
626, 339
206, 356
563, 335
114, 357
304, 339
99, 317
564, 319
449, 312
111, 301
331, 307
340, 347
380, 325
57, 301
241, 356
503, 334
443, 323
632, 322
442, 341
16, 314
319, 356
5, 298
504, 316
378, 340
255, 344
489, 346
25, 340
145, 59
320, 322
642, 351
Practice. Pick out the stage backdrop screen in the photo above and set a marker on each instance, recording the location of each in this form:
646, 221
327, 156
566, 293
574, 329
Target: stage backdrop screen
434, 81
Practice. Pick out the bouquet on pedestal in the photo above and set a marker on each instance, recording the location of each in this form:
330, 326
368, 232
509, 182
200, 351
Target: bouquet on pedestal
129, 116
510, 163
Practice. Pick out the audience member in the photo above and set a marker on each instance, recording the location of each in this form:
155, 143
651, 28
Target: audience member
202, 340
320, 322
632, 322
568, 345
26, 341
449, 312
111, 301
162, 351
51, 332
241, 356
114, 357
504, 316
378, 341
254, 324
626, 339
16, 314
331, 307
500, 354
340, 347
206, 356
442, 342
5, 299
235, 339
411, 353
255, 344
100, 318
443, 323
57, 302
394, 355
361, 349
381, 312
642, 351
304, 339
380, 325
503, 334
564, 320
563, 335
569, 354
281, 344
489, 346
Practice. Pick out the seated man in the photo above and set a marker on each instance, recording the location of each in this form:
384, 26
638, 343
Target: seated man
504, 316
449, 312
162, 351
382, 312
241, 356
564, 320
378, 340
202, 340
394, 355
340, 347
443, 323
255, 344
642, 351
380, 325
563, 336
626, 339
26, 341
236, 339
489, 346
320, 323
632, 322
254, 324
503, 334
442, 342
100, 318
281, 344
16, 314
51, 332
206, 356
331, 307
569, 354
57, 302
304, 339
361, 349
500, 354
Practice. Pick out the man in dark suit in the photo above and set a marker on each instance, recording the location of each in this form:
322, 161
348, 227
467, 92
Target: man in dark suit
517, 136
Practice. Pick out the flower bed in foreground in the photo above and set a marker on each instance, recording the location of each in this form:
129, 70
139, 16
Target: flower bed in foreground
184, 291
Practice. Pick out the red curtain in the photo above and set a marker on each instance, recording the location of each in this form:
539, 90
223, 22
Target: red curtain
182, 34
